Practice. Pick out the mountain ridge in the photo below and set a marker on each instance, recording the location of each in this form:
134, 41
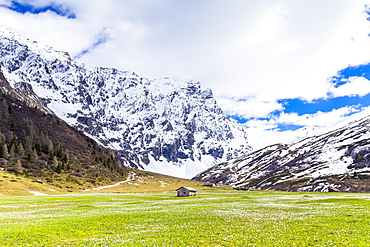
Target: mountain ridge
162, 125
339, 158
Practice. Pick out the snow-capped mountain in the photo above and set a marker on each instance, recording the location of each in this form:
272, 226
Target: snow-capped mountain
339, 158
163, 125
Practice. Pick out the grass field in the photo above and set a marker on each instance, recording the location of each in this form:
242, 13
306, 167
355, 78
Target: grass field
212, 218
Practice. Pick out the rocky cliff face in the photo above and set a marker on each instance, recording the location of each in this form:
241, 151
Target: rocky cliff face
339, 158
166, 126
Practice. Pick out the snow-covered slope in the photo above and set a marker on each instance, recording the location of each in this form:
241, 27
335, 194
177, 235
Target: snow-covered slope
339, 158
166, 126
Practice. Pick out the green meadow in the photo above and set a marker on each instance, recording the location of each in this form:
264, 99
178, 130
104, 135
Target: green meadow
212, 218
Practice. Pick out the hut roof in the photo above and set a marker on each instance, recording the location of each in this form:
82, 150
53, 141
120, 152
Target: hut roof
333, 189
187, 188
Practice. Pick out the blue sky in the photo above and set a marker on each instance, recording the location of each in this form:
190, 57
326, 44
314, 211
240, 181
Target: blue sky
273, 65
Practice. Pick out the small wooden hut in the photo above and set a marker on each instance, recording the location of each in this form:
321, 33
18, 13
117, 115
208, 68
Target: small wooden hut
186, 191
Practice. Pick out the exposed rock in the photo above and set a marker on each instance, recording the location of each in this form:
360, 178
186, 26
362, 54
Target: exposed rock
167, 126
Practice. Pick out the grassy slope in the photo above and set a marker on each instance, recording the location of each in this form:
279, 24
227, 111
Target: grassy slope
144, 181
14, 185
139, 182
212, 218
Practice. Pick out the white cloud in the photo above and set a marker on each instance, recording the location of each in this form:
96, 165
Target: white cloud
266, 132
248, 108
49, 28
260, 51
312, 42
319, 119
354, 86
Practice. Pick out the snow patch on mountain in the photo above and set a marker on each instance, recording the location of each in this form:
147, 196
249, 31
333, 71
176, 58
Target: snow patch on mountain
340, 157
163, 125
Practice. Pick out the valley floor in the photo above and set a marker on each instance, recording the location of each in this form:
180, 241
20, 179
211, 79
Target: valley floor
212, 218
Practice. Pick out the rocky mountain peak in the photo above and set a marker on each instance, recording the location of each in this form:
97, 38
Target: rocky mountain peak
163, 125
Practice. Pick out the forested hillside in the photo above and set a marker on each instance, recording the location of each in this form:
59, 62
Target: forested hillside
38, 144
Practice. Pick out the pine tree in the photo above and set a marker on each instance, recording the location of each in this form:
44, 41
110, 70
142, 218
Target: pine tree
5, 148
18, 166
34, 154
9, 136
13, 142
21, 149
59, 168
55, 162
51, 146
27, 142
29, 157
60, 152
65, 158
32, 131
2, 138
46, 149
12, 152
38, 148
2, 152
